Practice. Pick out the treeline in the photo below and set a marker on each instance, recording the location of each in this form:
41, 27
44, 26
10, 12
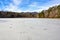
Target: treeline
52, 12
18, 15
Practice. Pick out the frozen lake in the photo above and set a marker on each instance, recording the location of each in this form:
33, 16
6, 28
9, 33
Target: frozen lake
29, 29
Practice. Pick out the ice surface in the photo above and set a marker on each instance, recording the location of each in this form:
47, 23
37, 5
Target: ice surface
29, 29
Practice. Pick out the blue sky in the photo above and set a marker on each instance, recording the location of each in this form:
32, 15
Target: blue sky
27, 5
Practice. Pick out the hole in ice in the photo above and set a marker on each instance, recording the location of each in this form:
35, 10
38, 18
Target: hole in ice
10, 27
45, 29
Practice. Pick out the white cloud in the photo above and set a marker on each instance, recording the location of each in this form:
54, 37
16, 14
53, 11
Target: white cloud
33, 4
16, 2
13, 6
34, 7
10, 7
52, 3
43, 7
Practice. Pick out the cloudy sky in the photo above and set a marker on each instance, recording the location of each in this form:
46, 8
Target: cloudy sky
27, 5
